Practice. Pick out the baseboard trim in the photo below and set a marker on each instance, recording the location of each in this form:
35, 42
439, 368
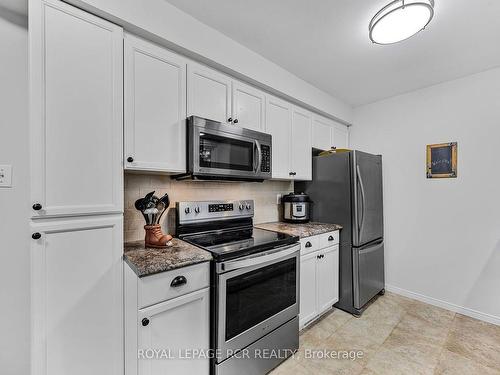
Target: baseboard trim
445, 305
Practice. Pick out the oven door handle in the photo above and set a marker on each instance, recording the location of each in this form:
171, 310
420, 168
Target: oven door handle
255, 260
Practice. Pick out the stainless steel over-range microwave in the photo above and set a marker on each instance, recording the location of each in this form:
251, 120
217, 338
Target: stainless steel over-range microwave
226, 152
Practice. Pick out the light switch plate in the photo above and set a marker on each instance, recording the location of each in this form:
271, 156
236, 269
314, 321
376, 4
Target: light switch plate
5, 176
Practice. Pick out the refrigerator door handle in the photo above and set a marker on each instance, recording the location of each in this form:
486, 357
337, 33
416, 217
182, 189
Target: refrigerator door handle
362, 189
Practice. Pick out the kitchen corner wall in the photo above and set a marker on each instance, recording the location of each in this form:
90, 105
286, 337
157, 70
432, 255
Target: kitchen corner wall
137, 185
442, 235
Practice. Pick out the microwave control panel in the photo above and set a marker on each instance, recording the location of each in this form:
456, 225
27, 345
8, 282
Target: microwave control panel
266, 159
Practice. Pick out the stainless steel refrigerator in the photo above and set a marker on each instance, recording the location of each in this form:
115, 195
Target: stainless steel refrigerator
347, 189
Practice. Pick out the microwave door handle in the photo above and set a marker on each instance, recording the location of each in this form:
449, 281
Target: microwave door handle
259, 156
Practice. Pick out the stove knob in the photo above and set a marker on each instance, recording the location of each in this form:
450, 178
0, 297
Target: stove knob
187, 210
197, 209
248, 206
241, 207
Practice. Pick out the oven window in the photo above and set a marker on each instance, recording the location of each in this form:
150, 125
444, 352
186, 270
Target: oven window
255, 296
225, 153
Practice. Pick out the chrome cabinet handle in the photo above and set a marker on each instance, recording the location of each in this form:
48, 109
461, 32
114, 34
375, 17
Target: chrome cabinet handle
145, 322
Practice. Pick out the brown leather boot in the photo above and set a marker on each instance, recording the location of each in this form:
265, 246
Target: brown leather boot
155, 236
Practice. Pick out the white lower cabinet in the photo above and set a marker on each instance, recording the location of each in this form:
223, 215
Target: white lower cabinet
77, 296
179, 326
319, 279
327, 278
163, 337
308, 282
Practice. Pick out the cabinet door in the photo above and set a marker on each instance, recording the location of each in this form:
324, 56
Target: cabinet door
209, 93
155, 107
76, 77
175, 325
301, 146
308, 302
328, 277
278, 124
321, 133
248, 106
77, 297
340, 136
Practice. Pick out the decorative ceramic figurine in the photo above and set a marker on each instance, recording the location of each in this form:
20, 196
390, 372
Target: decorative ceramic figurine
152, 208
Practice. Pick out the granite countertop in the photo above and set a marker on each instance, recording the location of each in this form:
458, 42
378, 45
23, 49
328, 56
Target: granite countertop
301, 230
148, 261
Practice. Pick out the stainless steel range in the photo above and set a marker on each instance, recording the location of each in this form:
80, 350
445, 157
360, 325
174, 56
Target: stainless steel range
255, 285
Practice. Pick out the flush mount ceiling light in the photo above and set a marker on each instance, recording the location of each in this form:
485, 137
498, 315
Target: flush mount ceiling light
400, 20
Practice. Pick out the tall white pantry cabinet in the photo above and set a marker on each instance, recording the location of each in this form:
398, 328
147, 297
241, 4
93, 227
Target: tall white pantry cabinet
76, 127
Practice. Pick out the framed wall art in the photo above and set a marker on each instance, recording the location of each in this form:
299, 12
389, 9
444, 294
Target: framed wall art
442, 160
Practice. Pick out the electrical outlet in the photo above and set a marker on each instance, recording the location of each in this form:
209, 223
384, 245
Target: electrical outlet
278, 198
6, 176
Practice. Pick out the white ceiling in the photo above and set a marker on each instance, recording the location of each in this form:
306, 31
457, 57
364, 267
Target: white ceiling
325, 42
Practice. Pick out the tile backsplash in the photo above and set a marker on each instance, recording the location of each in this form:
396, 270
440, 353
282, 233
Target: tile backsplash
138, 185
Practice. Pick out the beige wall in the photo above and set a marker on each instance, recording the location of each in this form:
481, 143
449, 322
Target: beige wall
138, 185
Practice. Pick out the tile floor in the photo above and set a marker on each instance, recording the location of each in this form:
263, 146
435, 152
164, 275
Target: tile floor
399, 336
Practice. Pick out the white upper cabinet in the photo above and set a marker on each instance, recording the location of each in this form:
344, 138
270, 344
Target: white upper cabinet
248, 107
216, 96
322, 132
155, 107
76, 78
208, 93
77, 296
327, 133
301, 144
290, 128
340, 136
278, 124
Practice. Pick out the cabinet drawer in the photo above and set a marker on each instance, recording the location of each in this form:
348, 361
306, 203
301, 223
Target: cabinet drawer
309, 244
159, 287
328, 239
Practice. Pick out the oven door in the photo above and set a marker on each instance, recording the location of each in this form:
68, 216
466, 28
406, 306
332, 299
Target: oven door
256, 295
218, 153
